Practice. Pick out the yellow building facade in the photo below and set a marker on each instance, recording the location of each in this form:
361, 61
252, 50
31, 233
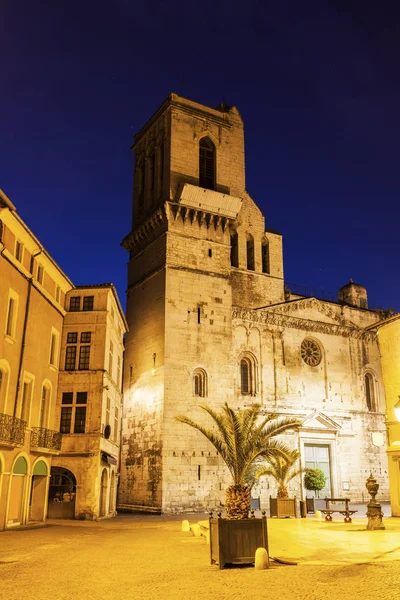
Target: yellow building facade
389, 343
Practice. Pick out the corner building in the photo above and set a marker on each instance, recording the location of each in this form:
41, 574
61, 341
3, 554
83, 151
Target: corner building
210, 322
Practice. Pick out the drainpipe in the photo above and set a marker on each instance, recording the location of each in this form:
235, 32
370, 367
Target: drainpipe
21, 356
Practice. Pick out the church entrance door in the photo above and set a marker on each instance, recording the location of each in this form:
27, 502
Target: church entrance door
317, 457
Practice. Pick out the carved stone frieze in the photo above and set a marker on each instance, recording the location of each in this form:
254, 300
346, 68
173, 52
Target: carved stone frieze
145, 230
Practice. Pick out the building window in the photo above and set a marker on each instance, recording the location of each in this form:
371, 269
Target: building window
44, 402
200, 383
72, 337
234, 249
84, 356
116, 423
86, 337
19, 247
370, 392
119, 370
25, 400
73, 414
250, 252
88, 302
10, 322
111, 359
40, 274
57, 293
108, 410
265, 256
70, 358
53, 349
74, 304
207, 164
248, 376
311, 352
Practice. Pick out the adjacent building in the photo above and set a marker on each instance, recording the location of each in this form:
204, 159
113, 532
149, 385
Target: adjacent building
61, 350
210, 321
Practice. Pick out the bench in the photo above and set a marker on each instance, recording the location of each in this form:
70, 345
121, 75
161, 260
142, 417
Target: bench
342, 510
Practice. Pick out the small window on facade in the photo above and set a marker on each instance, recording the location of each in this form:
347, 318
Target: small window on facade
84, 356
248, 376
250, 252
81, 397
53, 348
57, 293
26, 400
66, 417
67, 398
119, 370
80, 419
40, 274
265, 256
70, 358
18, 250
207, 164
370, 392
200, 383
111, 359
72, 337
44, 400
108, 409
234, 249
74, 304
86, 337
116, 423
10, 323
88, 303
73, 415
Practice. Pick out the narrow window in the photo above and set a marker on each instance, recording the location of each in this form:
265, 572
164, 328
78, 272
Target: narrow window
10, 317
80, 419
108, 410
88, 302
70, 358
250, 252
40, 273
370, 392
234, 249
116, 423
75, 304
198, 314
26, 400
265, 256
57, 293
18, 251
53, 343
43, 407
206, 164
66, 418
86, 337
200, 383
111, 359
84, 356
119, 371
210, 252
245, 376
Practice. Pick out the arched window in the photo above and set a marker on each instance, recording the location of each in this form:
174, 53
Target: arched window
44, 406
265, 256
200, 383
370, 392
206, 163
248, 376
234, 249
250, 252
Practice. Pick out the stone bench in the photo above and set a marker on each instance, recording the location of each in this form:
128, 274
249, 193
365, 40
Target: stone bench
343, 510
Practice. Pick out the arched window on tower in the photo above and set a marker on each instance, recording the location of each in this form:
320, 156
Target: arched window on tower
250, 252
207, 164
234, 249
200, 383
370, 392
248, 376
265, 256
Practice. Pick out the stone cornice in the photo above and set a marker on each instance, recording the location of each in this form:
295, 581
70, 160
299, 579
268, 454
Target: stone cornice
280, 319
145, 230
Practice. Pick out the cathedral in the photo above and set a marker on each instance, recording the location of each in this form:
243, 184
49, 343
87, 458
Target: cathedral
211, 321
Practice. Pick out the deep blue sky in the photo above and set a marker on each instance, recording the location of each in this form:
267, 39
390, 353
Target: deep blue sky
316, 82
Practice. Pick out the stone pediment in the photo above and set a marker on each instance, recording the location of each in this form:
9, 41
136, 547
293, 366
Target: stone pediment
321, 422
317, 309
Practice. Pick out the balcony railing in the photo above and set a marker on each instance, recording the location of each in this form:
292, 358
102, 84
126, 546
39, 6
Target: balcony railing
12, 430
45, 438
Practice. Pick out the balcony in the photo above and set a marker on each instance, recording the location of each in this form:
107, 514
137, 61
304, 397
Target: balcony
12, 431
46, 439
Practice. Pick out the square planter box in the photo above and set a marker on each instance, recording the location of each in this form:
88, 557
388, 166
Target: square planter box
236, 541
282, 507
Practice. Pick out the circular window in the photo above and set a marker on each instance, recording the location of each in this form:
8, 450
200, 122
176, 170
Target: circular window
310, 353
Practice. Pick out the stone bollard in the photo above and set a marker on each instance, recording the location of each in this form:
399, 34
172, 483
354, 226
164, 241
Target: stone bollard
318, 515
185, 526
196, 529
261, 560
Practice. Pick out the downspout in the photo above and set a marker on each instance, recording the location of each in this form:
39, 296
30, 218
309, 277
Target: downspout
21, 356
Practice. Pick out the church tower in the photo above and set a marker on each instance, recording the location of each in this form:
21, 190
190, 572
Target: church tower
198, 248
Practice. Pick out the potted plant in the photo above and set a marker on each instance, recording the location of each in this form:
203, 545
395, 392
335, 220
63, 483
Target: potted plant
314, 480
240, 438
283, 469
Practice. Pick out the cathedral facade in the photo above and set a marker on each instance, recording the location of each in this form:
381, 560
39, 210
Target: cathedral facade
210, 321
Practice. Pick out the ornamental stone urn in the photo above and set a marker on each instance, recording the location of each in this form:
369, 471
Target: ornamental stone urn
374, 509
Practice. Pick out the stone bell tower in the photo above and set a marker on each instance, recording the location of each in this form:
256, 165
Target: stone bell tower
198, 247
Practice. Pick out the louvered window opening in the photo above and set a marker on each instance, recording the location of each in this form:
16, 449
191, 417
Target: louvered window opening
207, 165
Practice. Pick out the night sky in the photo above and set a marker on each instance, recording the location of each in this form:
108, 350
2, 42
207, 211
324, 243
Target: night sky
316, 82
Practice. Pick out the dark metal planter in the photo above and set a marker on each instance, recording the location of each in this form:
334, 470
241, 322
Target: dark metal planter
236, 541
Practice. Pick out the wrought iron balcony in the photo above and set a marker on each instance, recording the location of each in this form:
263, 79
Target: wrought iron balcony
45, 438
12, 430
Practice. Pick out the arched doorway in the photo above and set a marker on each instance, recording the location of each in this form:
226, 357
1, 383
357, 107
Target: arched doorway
37, 502
103, 493
112, 493
62, 494
16, 503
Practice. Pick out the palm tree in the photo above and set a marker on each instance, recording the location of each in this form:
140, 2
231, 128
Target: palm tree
240, 440
282, 469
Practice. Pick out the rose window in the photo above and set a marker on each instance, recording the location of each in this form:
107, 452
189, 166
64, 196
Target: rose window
310, 353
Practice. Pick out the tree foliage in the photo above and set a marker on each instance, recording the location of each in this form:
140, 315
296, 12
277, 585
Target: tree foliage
314, 479
283, 469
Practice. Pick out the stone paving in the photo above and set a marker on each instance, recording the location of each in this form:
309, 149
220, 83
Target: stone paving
149, 557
